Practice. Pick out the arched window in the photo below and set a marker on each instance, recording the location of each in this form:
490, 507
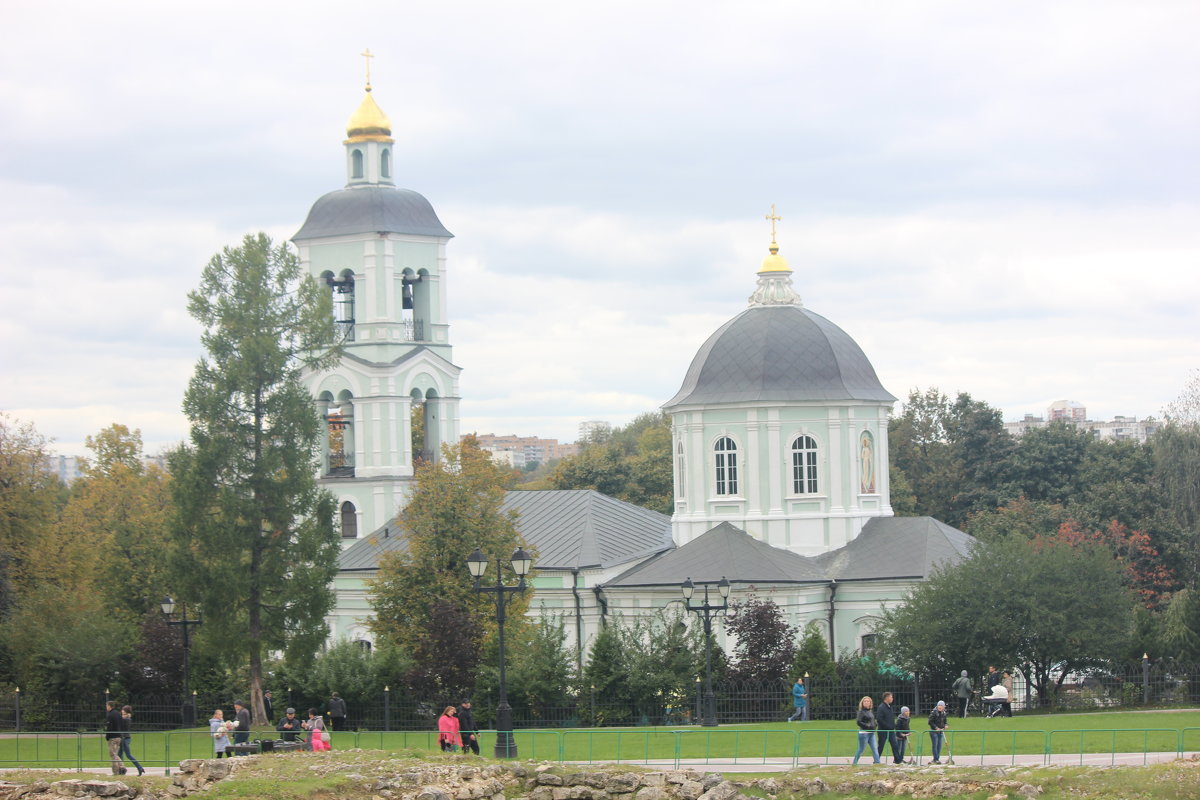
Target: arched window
356, 164
725, 462
349, 521
680, 472
804, 465
385, 163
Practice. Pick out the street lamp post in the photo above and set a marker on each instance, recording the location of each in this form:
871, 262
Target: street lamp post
707, 611
168, 609
520, 562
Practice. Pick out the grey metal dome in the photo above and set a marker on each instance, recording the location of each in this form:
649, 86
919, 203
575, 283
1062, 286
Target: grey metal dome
779, 353
371, 209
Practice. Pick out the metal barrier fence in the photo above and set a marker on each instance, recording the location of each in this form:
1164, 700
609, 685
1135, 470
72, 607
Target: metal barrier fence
665, 748
1120, 686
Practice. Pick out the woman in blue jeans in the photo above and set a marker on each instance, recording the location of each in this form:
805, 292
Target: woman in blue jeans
866, 729
126, 725
937, 730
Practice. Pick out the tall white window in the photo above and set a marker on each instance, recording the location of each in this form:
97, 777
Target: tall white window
680, 472
804, 465
725, 461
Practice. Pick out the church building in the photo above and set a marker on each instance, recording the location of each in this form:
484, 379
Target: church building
779, 436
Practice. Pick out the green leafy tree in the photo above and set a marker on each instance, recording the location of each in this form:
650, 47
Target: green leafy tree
254, 539
812, 655
1176, 449
954, 455
423, 596
1046, 606
540, 672
1022, 517
1049, 462
632, 464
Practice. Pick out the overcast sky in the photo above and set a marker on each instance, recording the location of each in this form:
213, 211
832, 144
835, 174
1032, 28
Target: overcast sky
997, 198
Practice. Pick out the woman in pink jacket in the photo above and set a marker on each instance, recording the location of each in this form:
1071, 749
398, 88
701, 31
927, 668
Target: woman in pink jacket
448, 736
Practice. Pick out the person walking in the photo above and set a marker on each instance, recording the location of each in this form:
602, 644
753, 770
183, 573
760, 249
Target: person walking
937, 730
127, 739
448, 730
885, 715
467, 729
799, 700
269, 707
337, 712
903, 731
1007, 682
220, 733
865, 719
113, 725
962, 690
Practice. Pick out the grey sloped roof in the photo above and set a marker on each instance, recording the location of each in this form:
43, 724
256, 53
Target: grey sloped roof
779, 353
371, 209
576, 528
725, 551
897, 547
571, 529
364, 555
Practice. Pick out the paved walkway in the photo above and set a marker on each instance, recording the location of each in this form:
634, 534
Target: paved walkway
1024, 760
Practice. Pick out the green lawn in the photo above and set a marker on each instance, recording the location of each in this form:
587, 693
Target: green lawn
1158, 731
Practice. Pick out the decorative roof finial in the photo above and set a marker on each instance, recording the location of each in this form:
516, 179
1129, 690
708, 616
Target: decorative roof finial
366, 54
774, 218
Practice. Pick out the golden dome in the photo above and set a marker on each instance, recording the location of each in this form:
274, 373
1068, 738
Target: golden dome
369, 123
774, 262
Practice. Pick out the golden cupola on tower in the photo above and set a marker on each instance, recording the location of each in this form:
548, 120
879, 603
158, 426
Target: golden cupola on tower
369, 123
774, 262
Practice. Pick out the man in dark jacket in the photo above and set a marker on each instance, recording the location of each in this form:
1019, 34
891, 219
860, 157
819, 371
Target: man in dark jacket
113, 726
289, 726
885, 715
337, 712
467, 729
241, 734
269, 707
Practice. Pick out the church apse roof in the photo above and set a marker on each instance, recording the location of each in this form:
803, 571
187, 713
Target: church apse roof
371, 209
779, 353
897, 547
726, 551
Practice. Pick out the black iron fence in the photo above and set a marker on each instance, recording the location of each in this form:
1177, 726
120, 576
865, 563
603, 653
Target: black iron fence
1121, 686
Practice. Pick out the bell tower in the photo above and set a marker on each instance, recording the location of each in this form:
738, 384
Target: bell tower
392, 400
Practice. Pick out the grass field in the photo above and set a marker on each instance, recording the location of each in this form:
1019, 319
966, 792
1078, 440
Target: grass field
1154, 731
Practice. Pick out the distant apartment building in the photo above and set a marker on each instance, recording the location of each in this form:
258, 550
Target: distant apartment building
70, 468
521, 451
1075, 413
593, 430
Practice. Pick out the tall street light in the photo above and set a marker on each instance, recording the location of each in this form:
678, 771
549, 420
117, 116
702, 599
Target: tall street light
168, 609
707, 611
520, 562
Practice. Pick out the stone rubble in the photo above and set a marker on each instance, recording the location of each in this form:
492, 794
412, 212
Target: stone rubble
404, 779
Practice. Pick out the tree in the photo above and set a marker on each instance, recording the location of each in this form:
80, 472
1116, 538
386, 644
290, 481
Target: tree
422, 595
254, 542
28, 503
954, 455
766, 643
1045, 606
1176, 449
632, 464
1022, 517
541, 673
114, 524
812, 655
1049, 462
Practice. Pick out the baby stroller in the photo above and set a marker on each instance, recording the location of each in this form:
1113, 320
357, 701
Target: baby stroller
993, 707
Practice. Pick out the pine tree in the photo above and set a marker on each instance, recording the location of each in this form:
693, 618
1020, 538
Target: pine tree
254, 540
